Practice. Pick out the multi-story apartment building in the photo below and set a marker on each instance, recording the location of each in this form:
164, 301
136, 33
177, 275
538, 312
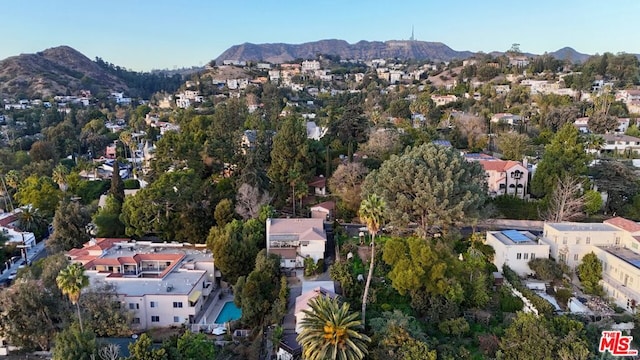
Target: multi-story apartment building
616, 242
163, 284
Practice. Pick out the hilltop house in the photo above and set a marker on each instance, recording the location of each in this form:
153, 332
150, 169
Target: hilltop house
296, 239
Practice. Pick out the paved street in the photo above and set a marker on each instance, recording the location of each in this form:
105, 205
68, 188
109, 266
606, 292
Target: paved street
35, 253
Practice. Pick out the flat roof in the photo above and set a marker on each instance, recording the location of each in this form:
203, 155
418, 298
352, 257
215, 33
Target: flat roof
573, 226
515, 237
623, 254
181, 282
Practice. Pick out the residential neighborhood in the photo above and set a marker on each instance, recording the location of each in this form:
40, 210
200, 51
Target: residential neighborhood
478, 207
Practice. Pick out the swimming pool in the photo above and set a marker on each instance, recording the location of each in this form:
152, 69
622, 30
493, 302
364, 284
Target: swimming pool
228, 313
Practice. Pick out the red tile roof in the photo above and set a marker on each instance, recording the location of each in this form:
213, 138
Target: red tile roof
318, 181
498, 165
8, 220
624, 224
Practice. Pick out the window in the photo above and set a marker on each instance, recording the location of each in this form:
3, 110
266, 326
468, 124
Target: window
575, 257
588, 240
134, 306
634, 245
519, 256
153, 304
555, 238
176, 319
526, 256
578, 240
617, 240
177, 304
135, 320
533, 256
564, 240
155, 319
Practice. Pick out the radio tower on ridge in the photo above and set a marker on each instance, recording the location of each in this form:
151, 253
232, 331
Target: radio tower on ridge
412, 38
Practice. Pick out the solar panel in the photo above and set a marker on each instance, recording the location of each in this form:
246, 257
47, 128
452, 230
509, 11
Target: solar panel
515, 236
635, 263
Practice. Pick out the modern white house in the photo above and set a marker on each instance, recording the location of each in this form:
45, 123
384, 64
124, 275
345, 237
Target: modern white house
296, 239
616, 242
163, 284
515, 249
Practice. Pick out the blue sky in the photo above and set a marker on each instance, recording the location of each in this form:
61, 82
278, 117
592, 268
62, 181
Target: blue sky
157, 34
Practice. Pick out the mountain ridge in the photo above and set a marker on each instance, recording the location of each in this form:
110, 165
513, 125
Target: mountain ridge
365, 50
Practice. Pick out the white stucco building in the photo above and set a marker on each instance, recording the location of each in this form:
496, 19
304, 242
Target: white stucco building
163, 284
616, 242
296, 239
515, 249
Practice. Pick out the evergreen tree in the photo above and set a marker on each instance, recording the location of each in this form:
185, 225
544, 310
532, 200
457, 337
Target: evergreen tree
564, 156
117, 185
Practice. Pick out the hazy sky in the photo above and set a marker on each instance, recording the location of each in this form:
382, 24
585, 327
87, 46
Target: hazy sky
156, 34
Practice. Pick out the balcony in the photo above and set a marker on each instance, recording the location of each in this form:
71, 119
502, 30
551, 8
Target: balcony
620, 287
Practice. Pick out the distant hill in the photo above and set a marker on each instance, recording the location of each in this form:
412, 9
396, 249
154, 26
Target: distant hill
54, 71
62, 70
365, 50
568, 53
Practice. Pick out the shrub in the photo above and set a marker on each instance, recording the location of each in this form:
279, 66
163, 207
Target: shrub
543, 306
456, 327
309, 266
546, 269
320, 266
563, 295
131, 184
509, 302
516, 208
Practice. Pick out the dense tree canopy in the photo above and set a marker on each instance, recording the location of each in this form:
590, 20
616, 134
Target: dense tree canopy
235, 254
429, 185
172, 207
69, 226
564, 156
290, 154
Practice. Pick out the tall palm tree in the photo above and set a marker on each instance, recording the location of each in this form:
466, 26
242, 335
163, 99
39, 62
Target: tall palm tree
71, 280
372, 213
60, 173
330, 331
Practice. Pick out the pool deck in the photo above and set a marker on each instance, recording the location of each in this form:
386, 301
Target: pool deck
209, 316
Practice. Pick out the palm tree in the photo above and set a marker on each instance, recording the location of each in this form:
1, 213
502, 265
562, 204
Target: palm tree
30, 219
60, 173
372, 213
330, 331
71, 280
594, 143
